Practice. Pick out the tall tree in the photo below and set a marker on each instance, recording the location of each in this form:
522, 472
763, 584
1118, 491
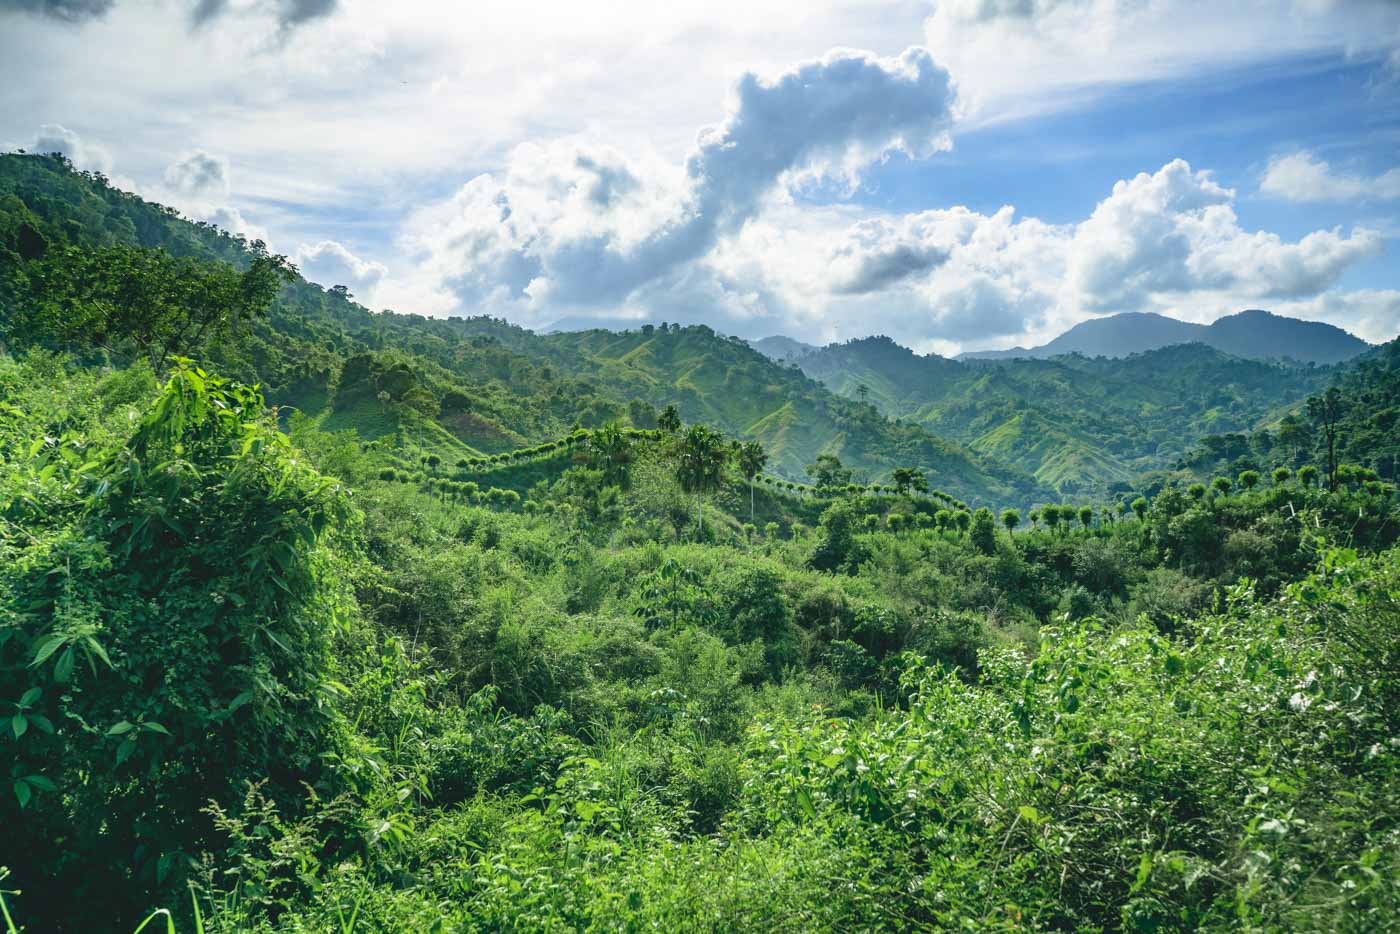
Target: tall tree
751, 459
1010, 518
1326, 413
701, 456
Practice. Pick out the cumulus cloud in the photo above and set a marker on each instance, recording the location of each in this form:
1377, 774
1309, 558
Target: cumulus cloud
1160, 241
82, 153
575, 225
330, 263
232, 220
1304, 177
199, 174
69, 11
1176, 231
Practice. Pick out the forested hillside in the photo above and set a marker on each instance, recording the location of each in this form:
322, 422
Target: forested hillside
455, 387
1077, 424
315, 619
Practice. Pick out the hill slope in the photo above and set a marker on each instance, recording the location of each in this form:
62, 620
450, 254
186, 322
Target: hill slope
1072, 422
456, 388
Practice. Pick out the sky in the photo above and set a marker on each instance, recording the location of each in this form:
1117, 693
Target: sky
956, 174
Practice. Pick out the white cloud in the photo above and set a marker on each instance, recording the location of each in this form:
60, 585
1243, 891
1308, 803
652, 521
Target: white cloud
330, 263
232, 220
576, 225
1304, 177
1164, 241
1371, 314
84, 154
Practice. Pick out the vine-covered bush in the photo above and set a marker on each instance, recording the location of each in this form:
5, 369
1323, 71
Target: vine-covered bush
166, 611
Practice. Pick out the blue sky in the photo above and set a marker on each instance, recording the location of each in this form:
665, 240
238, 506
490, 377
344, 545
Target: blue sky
957, 174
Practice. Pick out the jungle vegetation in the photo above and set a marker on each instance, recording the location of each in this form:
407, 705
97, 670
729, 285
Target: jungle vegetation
317, 619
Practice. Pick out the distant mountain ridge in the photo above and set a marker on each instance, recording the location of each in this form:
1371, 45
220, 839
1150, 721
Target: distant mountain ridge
1072, 422
782, 348
1253, 334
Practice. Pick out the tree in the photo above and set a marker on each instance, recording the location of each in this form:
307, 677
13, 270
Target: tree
669, 420
1221, 485
1249, 479
1086, 516
1035, 518
751, 459
1197, 491
611, 450
904, 479
962, 518
837, 548
1308, 475
1010, 518
828, 471
1051, 514
1292, 433
1326, 413
983, 531
1281, 475
1139, 508
700, 464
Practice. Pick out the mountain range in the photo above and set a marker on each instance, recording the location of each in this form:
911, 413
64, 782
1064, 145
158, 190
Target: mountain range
1253, 334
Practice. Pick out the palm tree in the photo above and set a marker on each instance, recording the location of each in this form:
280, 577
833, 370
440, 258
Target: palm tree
700, 464
611, 450
751, 458
669, 420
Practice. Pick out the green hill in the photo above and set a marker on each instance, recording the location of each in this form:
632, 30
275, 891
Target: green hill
1074, 423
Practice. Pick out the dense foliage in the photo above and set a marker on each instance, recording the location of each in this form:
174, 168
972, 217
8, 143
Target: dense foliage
466, 643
